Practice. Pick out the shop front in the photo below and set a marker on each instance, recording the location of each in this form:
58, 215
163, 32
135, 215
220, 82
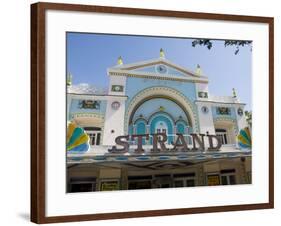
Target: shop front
127, 172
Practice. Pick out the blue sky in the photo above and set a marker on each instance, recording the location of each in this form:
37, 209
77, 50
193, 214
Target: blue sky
89, 55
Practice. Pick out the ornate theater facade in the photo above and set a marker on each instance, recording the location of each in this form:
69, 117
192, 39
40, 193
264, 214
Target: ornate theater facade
156, 126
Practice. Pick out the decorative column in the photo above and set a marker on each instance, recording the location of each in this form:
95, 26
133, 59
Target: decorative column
124, 179
147, 132
201, 180
242, 172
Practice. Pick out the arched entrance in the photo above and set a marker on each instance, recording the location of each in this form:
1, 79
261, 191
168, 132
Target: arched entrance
161, 109
162, 123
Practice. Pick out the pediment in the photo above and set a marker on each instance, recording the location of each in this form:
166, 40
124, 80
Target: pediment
161, 68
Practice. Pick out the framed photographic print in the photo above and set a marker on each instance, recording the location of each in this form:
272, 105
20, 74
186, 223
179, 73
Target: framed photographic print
140, 112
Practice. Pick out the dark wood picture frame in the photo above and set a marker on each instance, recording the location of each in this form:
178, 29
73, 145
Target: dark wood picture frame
38, 95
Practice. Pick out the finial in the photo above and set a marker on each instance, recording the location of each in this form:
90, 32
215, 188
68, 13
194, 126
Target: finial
162, 54
198, 70
120, 61
234, 95
69, 79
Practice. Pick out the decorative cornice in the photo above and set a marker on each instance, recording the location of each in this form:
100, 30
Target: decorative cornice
152, 62
220, 103
88, 114
223, 118
150, 75
96, 97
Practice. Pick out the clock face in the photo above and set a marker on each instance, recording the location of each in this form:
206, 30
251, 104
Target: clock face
162, 69
115, 105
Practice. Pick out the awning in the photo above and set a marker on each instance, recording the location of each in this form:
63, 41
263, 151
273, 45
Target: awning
161, 156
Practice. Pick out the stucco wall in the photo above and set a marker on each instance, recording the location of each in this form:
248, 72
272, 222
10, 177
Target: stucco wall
135, 85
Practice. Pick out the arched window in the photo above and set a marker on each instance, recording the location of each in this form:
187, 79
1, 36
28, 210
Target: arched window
131, 129
140, 128
180, 128
161, 122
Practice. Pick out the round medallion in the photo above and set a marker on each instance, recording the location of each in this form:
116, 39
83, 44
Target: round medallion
115, 105
240, 111
162, 69
205, 109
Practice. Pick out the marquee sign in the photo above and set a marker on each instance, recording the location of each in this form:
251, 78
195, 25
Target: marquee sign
159, 139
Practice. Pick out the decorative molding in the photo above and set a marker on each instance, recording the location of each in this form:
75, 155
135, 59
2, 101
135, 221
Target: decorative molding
86, 115
156, 61
233, 104
117, 88
227, 119
179, 120
140, 119
158, 113
151, 75
162, 92
223, 110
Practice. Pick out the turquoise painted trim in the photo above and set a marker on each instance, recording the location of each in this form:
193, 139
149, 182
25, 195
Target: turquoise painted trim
180, 128
162, 118
163, 113
182, 121
131, 129
140, 119
140, 128
189, 99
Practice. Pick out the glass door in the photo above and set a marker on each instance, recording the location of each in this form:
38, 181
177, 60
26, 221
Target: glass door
184, 182
163, 181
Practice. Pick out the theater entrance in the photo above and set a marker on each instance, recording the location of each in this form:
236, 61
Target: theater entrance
163, 181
